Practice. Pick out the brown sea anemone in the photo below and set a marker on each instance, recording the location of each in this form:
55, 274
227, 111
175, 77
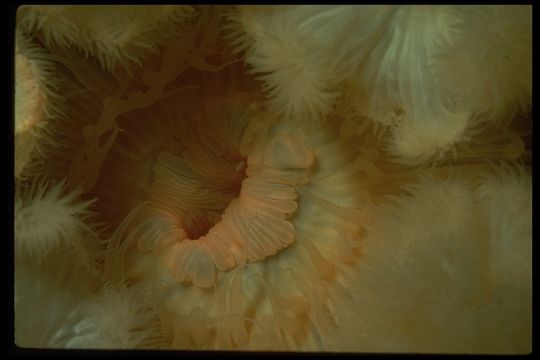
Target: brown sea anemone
224, 180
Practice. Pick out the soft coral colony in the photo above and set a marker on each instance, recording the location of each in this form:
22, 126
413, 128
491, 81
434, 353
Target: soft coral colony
324, 178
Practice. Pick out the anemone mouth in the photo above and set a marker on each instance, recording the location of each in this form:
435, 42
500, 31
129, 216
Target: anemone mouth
201, 170
220, 192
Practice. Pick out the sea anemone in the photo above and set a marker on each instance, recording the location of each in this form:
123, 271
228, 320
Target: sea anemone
417, 68
114, 35
37, 102
346, 203
60, 283
458, 291
48, 221
118, 317
490, 40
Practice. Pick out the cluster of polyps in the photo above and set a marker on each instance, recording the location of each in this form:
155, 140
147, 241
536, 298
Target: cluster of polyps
239, 215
